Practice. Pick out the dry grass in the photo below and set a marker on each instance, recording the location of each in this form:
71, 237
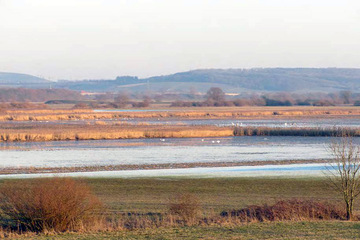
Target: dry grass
184, 113
288, 210
185, 214
56, 132
308, 230
187, 207
294, 131
101, 130
186, 211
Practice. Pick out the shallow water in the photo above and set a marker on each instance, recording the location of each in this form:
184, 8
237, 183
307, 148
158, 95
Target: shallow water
277, 123
290, 170
281, 123
162, 151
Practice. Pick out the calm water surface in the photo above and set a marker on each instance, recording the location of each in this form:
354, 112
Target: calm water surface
158, 151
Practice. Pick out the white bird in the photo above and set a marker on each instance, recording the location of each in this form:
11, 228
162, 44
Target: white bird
213, 141
162, 140
218, 141
202, 140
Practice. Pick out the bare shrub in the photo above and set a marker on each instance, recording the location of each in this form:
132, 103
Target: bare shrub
81, 105
344, 170
145, 103
121, 99
295, 210
186, 206
55, 204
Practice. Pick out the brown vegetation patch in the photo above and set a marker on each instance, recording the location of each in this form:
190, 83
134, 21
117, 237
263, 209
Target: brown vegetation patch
186, 206
294, 131
57, 204
181, 113
101, 130
57, 132
290, 210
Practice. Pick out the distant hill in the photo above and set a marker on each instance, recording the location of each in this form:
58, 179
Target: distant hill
22, 80
234, 81
270, 79
102, 85
230, 80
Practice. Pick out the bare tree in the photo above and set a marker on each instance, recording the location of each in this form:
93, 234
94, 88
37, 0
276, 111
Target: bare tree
121, 99
215, 94
345, 171
346, 95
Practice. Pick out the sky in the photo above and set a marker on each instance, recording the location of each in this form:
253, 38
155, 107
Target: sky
102, 39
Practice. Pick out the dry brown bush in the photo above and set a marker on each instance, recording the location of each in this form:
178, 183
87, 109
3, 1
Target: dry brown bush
186, 206
81, 106
54, 204
294, 210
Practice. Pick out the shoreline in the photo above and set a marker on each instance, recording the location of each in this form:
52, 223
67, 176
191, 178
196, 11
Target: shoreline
127, 167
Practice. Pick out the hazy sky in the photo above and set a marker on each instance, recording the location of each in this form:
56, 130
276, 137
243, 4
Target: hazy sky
77, 39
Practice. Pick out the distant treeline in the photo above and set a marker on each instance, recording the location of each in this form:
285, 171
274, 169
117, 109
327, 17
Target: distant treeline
37, 95
216, 97
21, 105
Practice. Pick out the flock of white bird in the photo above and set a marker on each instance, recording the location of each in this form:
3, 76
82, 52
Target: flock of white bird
241, 124
217, 141
234, 124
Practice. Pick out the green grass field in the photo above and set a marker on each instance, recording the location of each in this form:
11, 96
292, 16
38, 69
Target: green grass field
216, 194
283, 230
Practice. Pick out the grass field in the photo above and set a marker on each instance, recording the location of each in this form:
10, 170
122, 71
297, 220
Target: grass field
145, 195
153, 195
216, 194
282, 230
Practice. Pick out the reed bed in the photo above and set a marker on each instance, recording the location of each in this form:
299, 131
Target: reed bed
105, 131
55, 132
226, 113
295, 131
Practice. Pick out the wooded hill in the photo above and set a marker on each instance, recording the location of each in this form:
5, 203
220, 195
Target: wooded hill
230, 80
